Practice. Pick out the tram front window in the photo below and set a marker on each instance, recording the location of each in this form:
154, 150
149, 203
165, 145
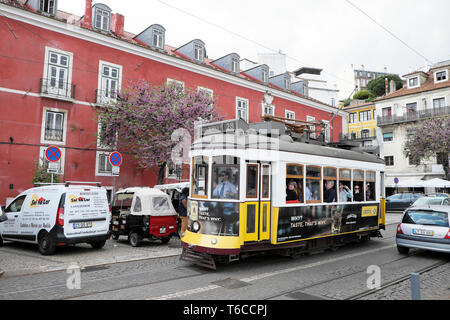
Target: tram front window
200, 176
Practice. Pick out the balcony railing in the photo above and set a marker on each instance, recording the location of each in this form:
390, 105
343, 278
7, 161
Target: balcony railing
54, 134
105, 96
412, 116
57, 89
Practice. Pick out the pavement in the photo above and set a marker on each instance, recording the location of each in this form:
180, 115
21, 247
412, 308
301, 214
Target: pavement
18, 259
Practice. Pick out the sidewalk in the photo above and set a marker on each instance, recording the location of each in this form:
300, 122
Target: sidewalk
21, 259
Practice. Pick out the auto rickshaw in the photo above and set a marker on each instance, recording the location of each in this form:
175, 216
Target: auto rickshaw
143, 213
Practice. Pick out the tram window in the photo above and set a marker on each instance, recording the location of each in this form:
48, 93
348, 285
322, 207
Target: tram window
294, 184
225, 177
358, 185
200, 176
252, 181
312, 191
370, 185
266, 181
345, 185
329, 184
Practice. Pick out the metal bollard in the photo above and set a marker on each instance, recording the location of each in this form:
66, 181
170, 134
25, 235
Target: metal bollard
415, 286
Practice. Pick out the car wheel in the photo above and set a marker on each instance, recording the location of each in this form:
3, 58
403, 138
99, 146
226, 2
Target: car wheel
46, 244
135, 239
98, 244
403, 250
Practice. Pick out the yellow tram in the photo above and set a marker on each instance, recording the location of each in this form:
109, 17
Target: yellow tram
255, 188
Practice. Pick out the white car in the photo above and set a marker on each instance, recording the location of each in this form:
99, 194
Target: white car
424, 227
57, 215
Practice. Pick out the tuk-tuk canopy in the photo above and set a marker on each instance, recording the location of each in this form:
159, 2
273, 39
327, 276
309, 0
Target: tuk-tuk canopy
145, 201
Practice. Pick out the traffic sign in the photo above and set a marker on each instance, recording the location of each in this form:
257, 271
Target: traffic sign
396, 180
53, 154
115, 159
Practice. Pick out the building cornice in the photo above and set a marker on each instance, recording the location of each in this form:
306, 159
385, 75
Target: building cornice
54, 25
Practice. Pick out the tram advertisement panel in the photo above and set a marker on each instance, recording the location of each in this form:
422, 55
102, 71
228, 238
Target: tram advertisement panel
295, 223
215, 218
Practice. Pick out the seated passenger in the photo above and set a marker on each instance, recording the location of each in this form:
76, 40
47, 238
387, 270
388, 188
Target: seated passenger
344, 193
291, 193
330, 193
357, 194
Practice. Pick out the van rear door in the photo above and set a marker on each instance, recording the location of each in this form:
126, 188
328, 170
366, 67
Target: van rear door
86, 212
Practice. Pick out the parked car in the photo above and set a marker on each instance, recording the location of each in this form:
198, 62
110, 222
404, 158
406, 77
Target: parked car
401, 201
424, 228
437, 194
57, 215
431, 201
143, 213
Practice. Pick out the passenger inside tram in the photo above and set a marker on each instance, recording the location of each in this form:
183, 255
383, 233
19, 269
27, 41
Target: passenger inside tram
329, 192
345, 193
357, 192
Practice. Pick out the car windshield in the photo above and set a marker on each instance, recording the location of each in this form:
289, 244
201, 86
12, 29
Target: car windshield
428, 201
425, 217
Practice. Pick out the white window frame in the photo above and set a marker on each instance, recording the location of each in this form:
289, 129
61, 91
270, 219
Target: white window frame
199, 52
267, 109
311, 128
46, 75
413, 86
288, 114
64, 126
99, 12
61, 161
388, 141
51, 4
235, 65
264, 76
181, 83
327, 131
158, 38
100, 96
97, 164
439, 71
440, 98
239, 108
210, 92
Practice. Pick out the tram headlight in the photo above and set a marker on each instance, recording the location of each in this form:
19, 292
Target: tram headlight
196, 226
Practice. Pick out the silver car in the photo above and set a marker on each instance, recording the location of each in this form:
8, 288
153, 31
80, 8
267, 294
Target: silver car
424, 227
431, 201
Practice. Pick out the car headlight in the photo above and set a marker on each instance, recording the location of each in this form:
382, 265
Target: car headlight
196, 226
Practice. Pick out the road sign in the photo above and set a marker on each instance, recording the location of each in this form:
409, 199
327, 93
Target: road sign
53, 167
115, 159
396, 180
53, 154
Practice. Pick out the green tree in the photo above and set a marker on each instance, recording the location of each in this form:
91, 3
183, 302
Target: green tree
363, 95
378, 86
41, 175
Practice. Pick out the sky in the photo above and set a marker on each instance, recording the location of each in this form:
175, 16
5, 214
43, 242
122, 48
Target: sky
328, 34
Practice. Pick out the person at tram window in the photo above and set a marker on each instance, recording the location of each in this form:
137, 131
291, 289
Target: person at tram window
225, 189
344, 193
330, 193
368, 192
291, 191
357, 194
300, 192
308, 193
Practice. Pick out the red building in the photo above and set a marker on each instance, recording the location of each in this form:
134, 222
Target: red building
57, 68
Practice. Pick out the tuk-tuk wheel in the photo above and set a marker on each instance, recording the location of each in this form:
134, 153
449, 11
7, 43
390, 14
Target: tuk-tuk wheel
165, 240
135, 239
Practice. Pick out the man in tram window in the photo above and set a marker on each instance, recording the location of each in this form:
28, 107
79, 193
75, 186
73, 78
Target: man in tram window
369, 193
330, 193
225, 189
344, 193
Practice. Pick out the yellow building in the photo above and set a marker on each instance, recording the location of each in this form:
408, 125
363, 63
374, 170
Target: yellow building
361, 123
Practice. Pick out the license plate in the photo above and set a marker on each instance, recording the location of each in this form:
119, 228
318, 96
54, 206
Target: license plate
162, 230
81, 225
423, 232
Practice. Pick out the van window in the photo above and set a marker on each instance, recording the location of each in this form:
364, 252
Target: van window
16, 205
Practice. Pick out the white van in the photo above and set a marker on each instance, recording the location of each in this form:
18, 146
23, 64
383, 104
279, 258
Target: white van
57, 215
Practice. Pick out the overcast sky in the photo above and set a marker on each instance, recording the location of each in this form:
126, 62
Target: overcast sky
327, 34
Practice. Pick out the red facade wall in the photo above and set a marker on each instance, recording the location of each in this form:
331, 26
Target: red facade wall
22, 56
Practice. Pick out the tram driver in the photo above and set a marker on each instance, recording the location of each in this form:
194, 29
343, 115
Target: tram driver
225, 189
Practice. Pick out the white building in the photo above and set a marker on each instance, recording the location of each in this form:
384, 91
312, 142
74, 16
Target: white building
426, 95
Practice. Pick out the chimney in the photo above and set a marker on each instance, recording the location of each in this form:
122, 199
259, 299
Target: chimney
117, 24
87, 19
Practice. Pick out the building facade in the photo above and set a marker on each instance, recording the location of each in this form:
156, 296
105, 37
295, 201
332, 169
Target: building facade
425, 96
362, 124
58, 70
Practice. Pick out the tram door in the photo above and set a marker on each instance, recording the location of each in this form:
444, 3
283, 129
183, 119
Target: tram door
256, 219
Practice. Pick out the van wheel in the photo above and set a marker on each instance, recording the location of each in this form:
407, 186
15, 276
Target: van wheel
135, 239
46, 244
403, 250
98, 244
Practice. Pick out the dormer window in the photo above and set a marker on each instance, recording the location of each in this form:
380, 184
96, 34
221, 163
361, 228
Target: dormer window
47, 6
234, 65
265, 76
102, 18
198, 52
158, 38
286, 84
413, 82
440, 76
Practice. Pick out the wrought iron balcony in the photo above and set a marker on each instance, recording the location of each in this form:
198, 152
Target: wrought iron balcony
105, 96
54, 134
412, 116
57, 89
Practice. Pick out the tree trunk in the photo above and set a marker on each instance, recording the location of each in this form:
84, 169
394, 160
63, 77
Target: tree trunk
161, 173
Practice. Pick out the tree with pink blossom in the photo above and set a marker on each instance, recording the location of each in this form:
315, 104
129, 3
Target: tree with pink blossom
431, 138
142, 121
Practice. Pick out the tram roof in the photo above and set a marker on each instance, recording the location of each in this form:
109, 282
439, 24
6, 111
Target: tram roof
283, 143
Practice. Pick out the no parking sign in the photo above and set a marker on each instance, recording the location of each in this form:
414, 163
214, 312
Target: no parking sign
53, 154
115, 159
